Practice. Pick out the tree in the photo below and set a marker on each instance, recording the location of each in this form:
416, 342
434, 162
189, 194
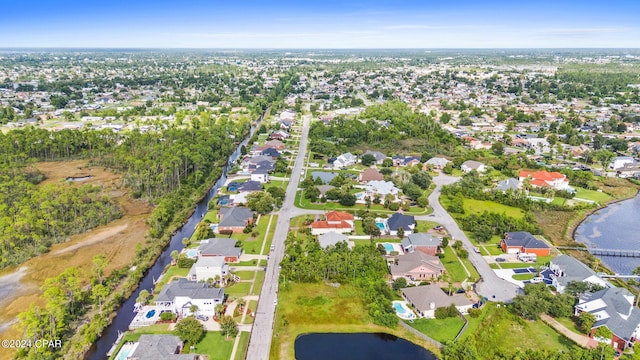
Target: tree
586, 321
99, 292
400, 232
422, 179
604, 157
347, 199
387, 163
219, 310
99, 263
367, 159
241, 303
312, 193
262, 202
193, 309
497, 148
228, 327
203, 231
190, 330
143, 297
399, 283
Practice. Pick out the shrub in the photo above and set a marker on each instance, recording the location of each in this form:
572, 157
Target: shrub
167, 316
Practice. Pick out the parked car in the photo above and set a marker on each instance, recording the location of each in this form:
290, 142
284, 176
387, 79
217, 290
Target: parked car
501, 259
438, 228
537, 279
202, 317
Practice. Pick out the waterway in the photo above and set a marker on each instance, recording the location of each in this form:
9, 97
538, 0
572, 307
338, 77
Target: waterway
359, 346
125, 314
614, 227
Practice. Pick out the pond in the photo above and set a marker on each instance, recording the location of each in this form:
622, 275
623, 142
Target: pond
358, 346
614, 227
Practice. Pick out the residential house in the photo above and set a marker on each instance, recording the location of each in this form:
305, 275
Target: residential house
234, 219
260, 175
523, 242
325, 177
271, 152
470, 165
181, 294
567, 269
370, 174
398, 220
239, 199
221, 247
422, 242
436, 163
276, 144
613, 308
427, 298
543, 178
417, 266
208, 267
621, 161
279, 135
324, 188
629, 170
336, 221
159, 346
508, 184
251, 185
332, 238
377, 155
382, 188
400, 160
344, 160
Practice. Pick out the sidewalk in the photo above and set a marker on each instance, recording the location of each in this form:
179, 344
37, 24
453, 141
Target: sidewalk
582, 340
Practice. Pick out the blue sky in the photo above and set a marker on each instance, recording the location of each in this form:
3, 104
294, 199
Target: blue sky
320, 24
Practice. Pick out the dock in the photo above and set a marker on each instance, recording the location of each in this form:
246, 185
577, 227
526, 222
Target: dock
115, 344
603, 252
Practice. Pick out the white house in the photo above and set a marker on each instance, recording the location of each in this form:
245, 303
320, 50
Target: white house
180, 295
620, 161
381, 188
344, 160
208, 267
260, 175
471, 165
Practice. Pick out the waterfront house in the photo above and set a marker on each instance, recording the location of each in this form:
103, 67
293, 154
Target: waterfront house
181, 294
208, 267
159, 346
523, 242
567, 269
427, 298
234, 219
225, 248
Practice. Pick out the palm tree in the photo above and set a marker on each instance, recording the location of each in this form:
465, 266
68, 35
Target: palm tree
219, 310
193, 309
241, 303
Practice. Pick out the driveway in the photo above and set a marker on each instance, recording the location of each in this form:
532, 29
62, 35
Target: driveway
490, 285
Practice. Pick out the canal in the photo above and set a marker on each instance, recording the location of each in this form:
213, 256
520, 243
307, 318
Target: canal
125, 314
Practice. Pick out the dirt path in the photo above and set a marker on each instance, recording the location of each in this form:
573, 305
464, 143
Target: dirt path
582, 340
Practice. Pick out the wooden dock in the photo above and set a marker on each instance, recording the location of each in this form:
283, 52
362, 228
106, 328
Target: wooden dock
604, 252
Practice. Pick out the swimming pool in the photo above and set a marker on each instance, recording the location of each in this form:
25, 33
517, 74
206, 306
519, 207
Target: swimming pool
126, 350
399, 308
192, 253
403, 311
150, 314
380, 225
388, 247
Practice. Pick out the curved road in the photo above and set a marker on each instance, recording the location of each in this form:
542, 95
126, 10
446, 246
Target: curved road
490, 285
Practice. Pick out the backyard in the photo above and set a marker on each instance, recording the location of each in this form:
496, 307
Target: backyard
438, 329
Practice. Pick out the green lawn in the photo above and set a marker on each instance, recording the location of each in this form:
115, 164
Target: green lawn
170, 272
253, 262
257, 285
243, 345
253, 305
272, 230
472, 206
328, 206
494, 250
261, 229
215, 346
245, 275
542, 260
592, 195
559, 201
570, 324
438, 329
472, 270
424, 225
502, 331
522, 277
238, 289
211, 215
453, 266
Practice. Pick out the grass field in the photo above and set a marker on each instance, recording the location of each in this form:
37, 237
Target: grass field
215, 346
257, 285
453, 266
472, 206
569, 324
245, 275
328, 206
238, 289
597, 196
522, 277
438, 329
170, 272
307, 308
241, 352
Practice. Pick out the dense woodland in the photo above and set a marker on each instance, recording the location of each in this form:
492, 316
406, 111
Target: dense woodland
391, 126
306, 261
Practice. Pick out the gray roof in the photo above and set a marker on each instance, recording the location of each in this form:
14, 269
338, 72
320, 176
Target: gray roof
422, 296
437, 161
190, 289
326, 177
376, 154
209, 261
218, 246
324, 188
616, 307
158, 347
408, 262
524, 239
331, 238
397, 220
235, 216
472, 164
506, 184
250, 185
259, 171
420, 239
572, 269
261, 158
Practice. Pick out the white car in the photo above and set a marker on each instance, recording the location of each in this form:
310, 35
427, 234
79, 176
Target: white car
537, 280
275, 302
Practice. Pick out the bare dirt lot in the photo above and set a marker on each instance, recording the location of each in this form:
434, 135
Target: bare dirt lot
117, 240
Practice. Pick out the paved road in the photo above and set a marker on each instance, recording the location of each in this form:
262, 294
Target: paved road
490, 285
260, 340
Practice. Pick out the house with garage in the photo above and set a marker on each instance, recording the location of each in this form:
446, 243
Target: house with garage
422, 242
401, 160
271, 152
234, 219
208, 267
471, 165
381, 188
370, 174
344, 160
159, 346
523, 242
181, 294
436, 163
567, 269
376, 155
398, 220
505, 185
260, 175
614, 309
335, 221
427, 298
250, 186
545, 179
416, 267
220, 247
